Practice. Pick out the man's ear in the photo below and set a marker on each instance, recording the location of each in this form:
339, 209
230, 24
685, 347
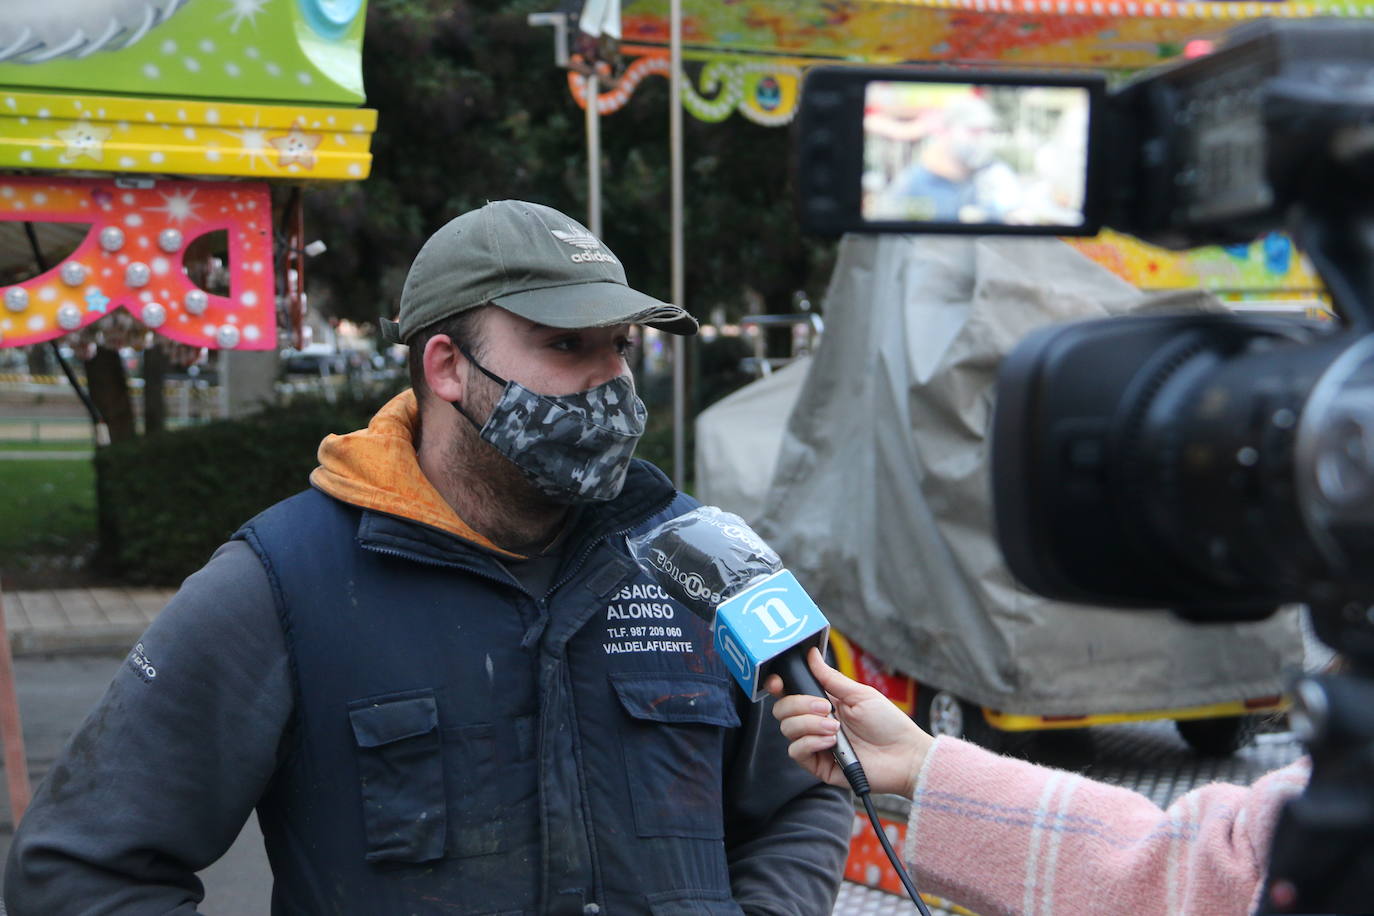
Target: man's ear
446, 368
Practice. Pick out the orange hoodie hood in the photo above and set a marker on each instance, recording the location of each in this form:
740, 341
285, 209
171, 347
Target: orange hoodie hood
376, 468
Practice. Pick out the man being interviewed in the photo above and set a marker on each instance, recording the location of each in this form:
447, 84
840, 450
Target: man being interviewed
437, 674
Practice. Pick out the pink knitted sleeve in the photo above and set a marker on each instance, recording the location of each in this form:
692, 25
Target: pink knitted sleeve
1002, 836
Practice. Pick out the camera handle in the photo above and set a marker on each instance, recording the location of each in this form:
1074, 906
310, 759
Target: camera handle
1331, 217
1323, 849
1341, 248
1322, 853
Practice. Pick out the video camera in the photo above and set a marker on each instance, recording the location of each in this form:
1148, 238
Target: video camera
1218, 465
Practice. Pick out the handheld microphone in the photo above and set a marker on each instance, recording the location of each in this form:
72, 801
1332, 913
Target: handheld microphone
763, 621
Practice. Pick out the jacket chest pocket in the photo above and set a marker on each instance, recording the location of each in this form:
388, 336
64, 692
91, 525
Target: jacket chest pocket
674, 739
401, 776
432, 793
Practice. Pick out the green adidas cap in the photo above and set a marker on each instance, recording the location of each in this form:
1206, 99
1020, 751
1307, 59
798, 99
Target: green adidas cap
530, 260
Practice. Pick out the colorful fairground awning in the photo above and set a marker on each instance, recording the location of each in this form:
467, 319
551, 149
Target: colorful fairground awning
248, 88
748, 58
751, 53
147, 124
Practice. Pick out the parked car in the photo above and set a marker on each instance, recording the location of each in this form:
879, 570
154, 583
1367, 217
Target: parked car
315, 360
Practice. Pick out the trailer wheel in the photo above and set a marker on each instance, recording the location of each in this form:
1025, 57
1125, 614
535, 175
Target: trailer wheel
941, 712
1218, 737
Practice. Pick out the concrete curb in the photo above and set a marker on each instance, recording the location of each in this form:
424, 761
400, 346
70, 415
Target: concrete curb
49, 455
80, 620
88, 640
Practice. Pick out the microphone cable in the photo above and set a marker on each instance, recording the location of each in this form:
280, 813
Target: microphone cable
797, 677
858, 781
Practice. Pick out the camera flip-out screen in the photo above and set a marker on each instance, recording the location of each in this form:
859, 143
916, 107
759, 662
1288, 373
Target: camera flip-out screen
962, 153
892, 149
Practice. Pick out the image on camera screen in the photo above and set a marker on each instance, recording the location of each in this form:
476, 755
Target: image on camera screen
964, 153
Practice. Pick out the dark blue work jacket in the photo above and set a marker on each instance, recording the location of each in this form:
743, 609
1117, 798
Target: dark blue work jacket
462, 746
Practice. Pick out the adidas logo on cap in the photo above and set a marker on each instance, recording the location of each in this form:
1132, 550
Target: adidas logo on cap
586, 241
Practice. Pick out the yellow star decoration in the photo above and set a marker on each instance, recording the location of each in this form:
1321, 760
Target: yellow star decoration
296, 148
84, 139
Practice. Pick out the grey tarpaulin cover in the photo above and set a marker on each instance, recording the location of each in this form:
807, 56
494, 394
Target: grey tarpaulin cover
880, 499
738, 437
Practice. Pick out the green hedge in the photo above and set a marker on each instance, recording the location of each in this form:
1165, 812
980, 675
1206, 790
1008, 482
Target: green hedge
167, 501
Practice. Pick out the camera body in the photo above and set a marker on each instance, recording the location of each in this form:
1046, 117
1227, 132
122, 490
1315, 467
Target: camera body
1218, 465
1222, 148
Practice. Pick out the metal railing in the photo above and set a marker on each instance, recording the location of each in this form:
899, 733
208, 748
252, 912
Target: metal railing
23, 398
807, 328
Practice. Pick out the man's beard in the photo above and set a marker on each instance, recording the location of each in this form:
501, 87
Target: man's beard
477, 466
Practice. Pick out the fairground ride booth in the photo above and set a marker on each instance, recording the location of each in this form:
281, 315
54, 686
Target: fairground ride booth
152, 159
749, 59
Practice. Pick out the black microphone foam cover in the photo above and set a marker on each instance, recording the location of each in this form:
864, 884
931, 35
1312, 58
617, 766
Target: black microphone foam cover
704, 556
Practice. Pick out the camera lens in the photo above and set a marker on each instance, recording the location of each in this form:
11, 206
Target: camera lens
1336, 461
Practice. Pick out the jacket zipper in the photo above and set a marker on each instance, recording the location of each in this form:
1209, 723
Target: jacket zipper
598, 888
442, 564
587, 551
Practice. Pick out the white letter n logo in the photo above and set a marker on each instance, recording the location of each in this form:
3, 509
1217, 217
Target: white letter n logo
776, 616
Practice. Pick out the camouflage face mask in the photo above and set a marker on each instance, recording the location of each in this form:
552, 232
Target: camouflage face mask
573, 447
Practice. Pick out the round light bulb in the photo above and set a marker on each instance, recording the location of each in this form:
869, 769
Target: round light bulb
112, 238
137, 274
169, 240
69, 317
73, 273
227, 336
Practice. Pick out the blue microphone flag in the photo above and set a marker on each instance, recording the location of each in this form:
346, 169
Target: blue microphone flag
763, 621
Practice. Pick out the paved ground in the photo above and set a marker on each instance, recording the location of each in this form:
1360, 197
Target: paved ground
79, 620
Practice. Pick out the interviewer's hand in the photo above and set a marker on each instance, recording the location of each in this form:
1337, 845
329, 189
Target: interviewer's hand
889, 745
